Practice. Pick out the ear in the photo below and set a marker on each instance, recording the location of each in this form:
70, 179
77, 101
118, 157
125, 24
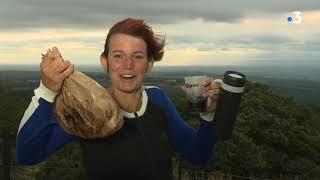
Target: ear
104, 62
150, 65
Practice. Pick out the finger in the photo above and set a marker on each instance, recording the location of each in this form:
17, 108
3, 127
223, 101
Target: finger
56, 66
215, 85
211, 105
62, 66
67, 72
49, 55
214, 97
218, 80
207, 81
211, 93
184, 88
58, 60
45, 57
55, 52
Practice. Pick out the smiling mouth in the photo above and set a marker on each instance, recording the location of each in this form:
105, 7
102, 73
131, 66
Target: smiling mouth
127, 76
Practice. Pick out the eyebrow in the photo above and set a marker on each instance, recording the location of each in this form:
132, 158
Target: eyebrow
120, 51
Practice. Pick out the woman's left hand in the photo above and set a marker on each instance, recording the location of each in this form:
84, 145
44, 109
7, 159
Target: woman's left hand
213, 89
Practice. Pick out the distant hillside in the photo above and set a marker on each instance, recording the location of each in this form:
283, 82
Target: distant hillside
303, 88
274, 138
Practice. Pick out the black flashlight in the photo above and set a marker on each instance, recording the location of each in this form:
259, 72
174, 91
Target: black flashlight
232, 87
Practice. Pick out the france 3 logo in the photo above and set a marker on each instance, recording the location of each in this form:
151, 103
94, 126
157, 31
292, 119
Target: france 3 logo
295, 18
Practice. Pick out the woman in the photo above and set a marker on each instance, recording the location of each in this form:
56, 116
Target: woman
141, 149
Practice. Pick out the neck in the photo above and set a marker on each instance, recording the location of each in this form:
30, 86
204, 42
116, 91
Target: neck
130, 102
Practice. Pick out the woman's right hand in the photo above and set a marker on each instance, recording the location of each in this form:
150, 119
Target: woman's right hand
54, 70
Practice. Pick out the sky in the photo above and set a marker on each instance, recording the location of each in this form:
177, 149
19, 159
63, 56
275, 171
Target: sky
198, 32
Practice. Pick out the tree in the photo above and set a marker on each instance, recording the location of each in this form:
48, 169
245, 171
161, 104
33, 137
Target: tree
273, 137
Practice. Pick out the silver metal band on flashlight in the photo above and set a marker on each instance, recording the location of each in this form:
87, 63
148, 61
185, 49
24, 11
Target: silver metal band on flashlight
229, 88
232, 88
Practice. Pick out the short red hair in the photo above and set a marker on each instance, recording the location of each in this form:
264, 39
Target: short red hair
138, 28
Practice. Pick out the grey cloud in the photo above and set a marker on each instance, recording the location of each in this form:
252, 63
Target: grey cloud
188, 39
269, 42
293, 56
264, 42
243, 39
313, 46
95, 13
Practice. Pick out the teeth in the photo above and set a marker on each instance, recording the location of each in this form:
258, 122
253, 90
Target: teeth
127, 75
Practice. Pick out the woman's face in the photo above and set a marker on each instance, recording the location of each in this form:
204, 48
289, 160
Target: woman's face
126, 62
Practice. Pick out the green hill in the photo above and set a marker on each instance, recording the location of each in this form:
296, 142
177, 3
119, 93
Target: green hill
274, 138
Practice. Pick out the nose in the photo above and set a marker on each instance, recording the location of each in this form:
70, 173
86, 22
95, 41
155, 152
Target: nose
129, 63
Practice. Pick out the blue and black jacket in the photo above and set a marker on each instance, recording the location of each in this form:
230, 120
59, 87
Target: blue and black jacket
141, 149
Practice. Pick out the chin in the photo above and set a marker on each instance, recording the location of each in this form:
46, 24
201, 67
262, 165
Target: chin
129, 89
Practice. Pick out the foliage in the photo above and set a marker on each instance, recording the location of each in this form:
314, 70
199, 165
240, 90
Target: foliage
273, 137
65, 164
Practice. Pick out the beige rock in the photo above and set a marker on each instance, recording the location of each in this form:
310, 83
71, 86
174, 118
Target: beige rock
86, 109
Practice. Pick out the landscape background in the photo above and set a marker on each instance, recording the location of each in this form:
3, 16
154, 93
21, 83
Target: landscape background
276, 135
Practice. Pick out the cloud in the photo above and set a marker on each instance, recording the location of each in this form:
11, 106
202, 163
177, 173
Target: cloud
15, 14
205, 32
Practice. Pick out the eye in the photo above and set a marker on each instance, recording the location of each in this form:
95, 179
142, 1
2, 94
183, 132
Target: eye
139, 57
117, 56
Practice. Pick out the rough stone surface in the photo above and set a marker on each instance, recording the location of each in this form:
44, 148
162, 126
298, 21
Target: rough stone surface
86, 109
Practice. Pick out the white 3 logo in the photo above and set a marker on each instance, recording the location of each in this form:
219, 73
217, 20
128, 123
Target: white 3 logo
297, 19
